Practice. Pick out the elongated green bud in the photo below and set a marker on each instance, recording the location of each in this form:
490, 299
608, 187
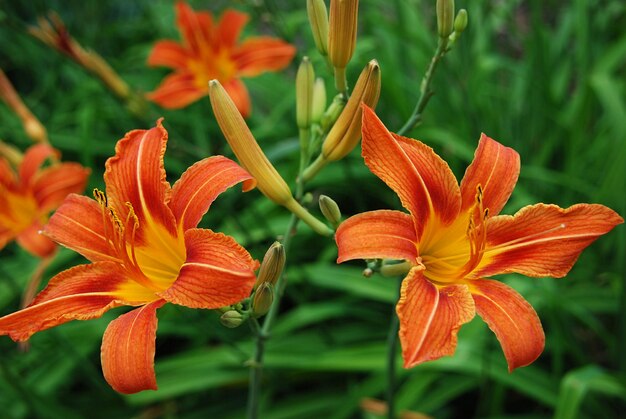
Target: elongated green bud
318, 18
445, 17
319, 100
272, 265
232, 319
262, 300
460, 22
332, 113
304, 93
330, 210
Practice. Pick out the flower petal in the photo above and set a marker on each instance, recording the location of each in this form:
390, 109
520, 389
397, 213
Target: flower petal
34, 242
169, 54
7, 176
239, 95
430, 318
423, 181
543, 240
78, 225
229, 27
128, 347
53, 184
177, 91
377, 235
136, 175
496, 169
198, 187
217, 272
260, 54
79, 293
34, 157
195, 27
512, 319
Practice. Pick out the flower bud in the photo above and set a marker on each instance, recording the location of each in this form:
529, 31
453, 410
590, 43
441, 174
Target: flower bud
445, 17
272, 265
318, 18
304, 93
262, 300
333, 112
342, 31
319, 100
346, 132
460, 22
245, 147
330, 210
232, 319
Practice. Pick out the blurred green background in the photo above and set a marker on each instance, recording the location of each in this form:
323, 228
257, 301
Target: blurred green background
544, 77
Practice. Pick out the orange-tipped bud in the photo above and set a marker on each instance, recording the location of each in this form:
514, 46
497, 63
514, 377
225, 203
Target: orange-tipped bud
262, 300
342, 31
34, 129
445, 17
304, 93
11, 154
319, 100
245, 147
346, 132
318, 18
272, 265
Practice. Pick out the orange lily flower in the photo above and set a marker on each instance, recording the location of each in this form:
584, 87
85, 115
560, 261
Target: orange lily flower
28, 196
453, 238
145, 249
210, 50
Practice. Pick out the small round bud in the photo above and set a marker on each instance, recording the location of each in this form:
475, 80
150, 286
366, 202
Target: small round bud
460, 22
262, 300
330, 210
232, 319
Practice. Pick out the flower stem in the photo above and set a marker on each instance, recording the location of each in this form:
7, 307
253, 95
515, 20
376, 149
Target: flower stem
392, 347
425, 91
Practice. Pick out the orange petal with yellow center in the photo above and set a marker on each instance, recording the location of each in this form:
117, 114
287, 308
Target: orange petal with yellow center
260, 54
512, 319
230, 26
423, 181
177, 91
7, 176
543, 240
128, 347
136, 174
430, 318
496, 169
34, 242
78, 225
218, 272
195, 27
34, 157
198, 187
79, 293
380, 234
169, 54
53, 184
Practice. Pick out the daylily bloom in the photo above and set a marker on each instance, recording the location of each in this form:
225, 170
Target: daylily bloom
28, 196
145, 249
453, 238
211, 50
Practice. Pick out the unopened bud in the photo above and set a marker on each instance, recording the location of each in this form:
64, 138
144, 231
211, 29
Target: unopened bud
318, 18
330, 210
35, 130
304, 93
262, 300
445, 17
333, 112
346, 132
342, 31
232, 319
245, 147
272, 265
319, 100
460, 22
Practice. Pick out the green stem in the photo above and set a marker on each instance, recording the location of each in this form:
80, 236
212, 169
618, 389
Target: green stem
341, 82
425, 91
311, 171
392, 348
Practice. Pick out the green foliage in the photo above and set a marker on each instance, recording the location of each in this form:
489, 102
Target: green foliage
546, 78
